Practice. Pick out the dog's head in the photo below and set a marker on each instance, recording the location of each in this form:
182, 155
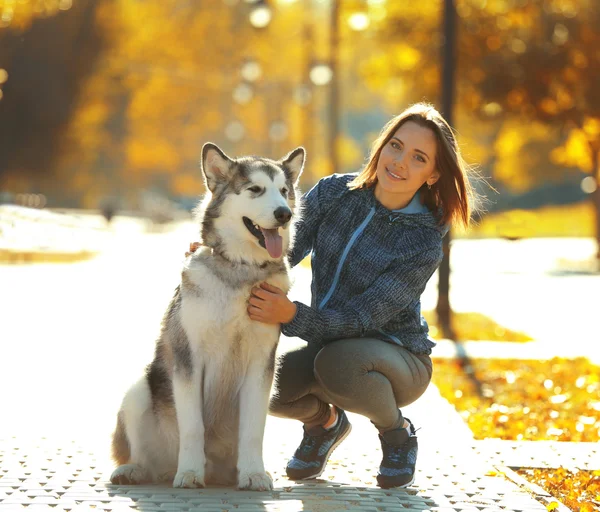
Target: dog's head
251, 205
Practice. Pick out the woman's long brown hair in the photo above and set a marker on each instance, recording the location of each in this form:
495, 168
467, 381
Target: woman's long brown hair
452, 193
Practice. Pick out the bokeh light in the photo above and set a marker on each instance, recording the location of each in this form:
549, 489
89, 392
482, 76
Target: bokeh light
359, 21
321, 74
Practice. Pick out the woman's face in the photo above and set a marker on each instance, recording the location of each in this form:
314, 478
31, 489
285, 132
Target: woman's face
407, 161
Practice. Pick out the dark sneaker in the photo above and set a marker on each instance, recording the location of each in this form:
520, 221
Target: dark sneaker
317, 444
399, 462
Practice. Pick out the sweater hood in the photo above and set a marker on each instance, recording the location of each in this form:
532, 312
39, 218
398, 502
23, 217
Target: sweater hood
414, 214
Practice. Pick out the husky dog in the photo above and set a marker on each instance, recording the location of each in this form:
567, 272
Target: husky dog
198, 414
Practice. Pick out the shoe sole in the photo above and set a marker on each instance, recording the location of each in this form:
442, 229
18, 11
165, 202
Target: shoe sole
333, 447
403, 486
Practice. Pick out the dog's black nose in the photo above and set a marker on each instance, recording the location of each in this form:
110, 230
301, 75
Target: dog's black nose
283, 214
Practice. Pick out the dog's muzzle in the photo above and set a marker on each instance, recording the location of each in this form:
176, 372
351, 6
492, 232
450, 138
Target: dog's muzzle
269, 238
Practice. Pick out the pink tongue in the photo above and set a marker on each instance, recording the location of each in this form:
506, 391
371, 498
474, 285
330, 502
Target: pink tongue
273, 241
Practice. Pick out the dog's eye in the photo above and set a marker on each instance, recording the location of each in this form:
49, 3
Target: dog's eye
255, 189
284, 192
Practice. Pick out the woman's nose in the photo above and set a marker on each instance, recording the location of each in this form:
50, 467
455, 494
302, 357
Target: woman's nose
400, 161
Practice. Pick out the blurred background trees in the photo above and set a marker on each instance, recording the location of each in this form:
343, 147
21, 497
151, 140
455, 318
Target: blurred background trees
114, 97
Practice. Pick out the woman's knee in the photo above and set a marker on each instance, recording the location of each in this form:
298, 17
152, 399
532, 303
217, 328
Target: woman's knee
336, 367
346, 367
277, 407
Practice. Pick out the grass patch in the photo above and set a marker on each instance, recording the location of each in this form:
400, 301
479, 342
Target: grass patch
475, 327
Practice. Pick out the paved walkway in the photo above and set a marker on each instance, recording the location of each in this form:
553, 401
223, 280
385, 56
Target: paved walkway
455, 473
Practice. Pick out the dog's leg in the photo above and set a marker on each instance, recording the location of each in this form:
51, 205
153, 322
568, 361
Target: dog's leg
254, 399
187, 389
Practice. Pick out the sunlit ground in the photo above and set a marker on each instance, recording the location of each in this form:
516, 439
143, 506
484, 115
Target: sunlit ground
72, 334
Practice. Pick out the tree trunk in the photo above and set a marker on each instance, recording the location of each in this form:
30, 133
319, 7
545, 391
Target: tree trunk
596, 198
443, 308
334, 85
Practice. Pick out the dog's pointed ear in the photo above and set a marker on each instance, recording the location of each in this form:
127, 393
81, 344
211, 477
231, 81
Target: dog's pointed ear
293, 163
216, 165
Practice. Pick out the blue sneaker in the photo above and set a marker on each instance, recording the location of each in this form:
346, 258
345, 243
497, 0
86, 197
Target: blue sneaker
399, 462
310, 458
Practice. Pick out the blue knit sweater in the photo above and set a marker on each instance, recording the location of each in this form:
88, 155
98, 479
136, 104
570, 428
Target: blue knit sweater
370, 266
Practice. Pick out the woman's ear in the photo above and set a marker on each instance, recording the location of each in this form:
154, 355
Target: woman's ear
435, 176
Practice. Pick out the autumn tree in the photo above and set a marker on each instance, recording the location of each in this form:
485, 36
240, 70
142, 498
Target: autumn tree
176, 75
539, 63
40, 83
526, 78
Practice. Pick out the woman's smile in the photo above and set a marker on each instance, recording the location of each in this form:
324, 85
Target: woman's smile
394, 176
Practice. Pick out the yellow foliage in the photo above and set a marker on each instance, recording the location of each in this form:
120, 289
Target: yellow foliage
512, 161
19, 15
473, 138
406, 57
549, 106
564, 99
350, 153
152, 154
321, 166
187, 185
426, 12
525, 400
92, 113
591, 126
575, 152
576, 489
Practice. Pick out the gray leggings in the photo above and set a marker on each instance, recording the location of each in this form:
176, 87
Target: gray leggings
362, 375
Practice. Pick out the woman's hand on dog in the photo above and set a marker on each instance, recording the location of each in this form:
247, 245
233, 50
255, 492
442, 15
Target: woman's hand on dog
270, 305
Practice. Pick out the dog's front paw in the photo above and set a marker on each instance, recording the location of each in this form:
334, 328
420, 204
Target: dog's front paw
256, 481
129, 474
189, 479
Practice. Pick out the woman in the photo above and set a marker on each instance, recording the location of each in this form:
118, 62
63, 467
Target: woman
375, 239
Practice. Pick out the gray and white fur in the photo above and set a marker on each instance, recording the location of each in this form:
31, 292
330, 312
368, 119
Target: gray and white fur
198, 414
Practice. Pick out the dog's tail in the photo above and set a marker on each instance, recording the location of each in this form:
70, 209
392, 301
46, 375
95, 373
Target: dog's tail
121, 451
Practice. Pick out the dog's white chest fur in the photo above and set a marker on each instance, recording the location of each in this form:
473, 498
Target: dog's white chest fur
214, 315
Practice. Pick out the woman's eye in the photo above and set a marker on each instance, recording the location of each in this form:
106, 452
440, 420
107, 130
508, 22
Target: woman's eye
420, 158
255, 189
395, 145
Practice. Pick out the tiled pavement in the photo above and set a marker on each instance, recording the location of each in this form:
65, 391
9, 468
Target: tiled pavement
455, 473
